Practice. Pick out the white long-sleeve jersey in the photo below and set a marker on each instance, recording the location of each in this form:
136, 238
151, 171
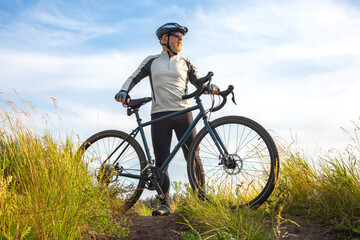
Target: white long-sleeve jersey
168, 80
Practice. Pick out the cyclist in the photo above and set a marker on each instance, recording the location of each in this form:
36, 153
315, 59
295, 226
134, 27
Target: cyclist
169, 74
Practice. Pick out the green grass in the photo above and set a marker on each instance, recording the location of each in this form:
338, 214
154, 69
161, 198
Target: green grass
45, 191
325, 190
213, 220
142, 208
328, 192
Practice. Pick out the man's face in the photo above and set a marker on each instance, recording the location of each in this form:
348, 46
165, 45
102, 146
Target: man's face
175, 41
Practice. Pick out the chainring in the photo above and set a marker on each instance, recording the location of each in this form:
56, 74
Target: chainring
151, 173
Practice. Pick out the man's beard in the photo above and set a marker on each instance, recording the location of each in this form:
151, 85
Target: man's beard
177, 47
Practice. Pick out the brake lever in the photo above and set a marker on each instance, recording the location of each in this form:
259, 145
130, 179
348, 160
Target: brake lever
233, 97
208, 86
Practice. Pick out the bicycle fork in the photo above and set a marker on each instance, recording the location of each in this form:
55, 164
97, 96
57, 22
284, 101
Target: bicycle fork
217, 140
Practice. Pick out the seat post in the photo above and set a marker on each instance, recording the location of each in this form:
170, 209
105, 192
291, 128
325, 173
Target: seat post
138, 119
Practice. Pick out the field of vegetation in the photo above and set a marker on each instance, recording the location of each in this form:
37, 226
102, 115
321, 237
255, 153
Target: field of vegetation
325, 194
46, 193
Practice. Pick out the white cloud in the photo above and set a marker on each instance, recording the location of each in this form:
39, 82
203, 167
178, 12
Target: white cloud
263, 24
57, 23
294, 64
36, 73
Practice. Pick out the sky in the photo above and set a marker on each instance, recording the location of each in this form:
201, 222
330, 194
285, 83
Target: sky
295, 64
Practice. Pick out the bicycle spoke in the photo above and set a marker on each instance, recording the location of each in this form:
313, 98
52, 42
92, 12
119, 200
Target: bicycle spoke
101, 152
248, 168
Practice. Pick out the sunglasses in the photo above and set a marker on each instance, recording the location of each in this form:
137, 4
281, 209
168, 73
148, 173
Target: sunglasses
177, 34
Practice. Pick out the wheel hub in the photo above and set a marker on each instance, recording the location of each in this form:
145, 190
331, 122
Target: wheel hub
233, 165
107, 172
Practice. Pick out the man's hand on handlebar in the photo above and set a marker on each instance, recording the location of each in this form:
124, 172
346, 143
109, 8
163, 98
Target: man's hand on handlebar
213, 89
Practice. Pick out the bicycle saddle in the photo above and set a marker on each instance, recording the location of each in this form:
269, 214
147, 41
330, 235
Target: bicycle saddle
136, 103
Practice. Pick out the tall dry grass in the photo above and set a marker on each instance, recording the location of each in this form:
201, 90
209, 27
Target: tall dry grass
45, 191
324, 190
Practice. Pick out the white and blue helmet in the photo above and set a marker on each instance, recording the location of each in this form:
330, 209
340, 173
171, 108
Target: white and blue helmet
170, 27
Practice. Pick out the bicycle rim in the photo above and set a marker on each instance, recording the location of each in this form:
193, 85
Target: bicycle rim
105, 155
247, 177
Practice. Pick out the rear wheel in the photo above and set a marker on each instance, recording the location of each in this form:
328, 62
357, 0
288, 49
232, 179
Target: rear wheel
247, 176
106, 155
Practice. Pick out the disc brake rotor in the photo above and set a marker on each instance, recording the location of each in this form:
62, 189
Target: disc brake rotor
234, 164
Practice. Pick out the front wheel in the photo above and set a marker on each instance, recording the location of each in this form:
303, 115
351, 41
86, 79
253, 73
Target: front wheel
106, 155
246, 177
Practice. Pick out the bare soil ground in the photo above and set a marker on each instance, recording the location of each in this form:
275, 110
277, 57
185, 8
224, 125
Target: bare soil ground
168, 227
310, 231
160, 227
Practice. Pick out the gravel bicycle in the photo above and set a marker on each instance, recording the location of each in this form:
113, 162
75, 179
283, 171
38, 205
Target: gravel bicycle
231, 155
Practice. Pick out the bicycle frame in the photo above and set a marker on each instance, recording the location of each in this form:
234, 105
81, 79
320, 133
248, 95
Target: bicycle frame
202, 114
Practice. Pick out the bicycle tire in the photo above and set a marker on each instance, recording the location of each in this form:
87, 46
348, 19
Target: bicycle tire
98, 147
249, 179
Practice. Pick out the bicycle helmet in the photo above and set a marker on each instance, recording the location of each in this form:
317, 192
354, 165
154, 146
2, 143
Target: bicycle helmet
168, 28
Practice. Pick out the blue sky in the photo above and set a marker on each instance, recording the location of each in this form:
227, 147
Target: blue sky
294, 64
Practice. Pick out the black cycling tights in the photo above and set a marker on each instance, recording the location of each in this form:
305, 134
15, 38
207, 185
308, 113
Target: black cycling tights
161, 134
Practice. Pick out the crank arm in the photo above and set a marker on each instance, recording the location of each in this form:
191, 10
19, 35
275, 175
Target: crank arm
158, 189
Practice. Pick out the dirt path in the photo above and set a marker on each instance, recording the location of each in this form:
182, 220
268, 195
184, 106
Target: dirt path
311, 231
148, 227
168, 228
